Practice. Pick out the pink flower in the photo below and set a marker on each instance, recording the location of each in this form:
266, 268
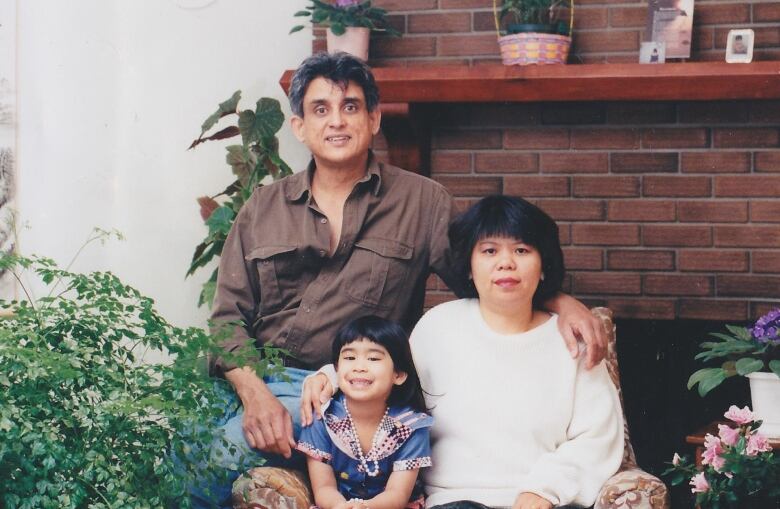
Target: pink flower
676, 460
699, 483
757, 443
729, 436
712, 452
740, 416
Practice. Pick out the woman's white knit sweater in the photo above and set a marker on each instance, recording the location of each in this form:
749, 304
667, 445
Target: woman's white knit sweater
514, 413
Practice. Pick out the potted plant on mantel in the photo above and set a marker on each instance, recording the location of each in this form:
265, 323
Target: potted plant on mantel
753, 352
534, 34
349, 23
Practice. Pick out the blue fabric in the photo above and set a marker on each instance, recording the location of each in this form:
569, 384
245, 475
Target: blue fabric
208, 493
404, 444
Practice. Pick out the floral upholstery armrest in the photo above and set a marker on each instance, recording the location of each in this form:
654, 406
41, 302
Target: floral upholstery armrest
633, 489
272, 487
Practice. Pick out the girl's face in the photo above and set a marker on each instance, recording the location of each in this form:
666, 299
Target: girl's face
365, 371
505, 270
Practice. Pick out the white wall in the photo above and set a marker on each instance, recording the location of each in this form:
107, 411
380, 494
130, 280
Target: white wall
111, 93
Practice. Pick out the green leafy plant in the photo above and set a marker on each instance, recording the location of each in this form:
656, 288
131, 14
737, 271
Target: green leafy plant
251, 162
541, 12
745, 350
346, 13
91, 416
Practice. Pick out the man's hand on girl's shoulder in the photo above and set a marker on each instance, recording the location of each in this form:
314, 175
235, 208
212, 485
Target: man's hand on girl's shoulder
317, 389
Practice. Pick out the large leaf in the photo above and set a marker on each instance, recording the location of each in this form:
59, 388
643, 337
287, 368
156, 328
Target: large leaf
225, 108
265, 121
747, 365
223, 134
241, 161
221, 220
775, 367
707, 378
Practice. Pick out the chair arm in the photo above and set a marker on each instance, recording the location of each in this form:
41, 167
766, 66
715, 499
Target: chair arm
272, 487
633, 489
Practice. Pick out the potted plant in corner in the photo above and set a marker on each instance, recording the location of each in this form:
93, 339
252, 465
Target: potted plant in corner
534, 34
753, 352
349, 23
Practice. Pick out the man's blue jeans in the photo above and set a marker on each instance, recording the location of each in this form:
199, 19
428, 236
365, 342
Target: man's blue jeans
209, 493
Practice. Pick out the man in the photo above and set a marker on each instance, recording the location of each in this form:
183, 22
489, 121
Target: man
347, 237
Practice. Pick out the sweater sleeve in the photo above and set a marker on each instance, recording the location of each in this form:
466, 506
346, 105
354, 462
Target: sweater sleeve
575, 472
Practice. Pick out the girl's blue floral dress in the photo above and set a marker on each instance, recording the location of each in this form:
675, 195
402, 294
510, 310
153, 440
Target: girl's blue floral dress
403, 443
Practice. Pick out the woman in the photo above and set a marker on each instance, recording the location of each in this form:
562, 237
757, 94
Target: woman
519, 423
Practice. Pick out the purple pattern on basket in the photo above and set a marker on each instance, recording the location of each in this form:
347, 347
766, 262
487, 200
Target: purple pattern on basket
767, 328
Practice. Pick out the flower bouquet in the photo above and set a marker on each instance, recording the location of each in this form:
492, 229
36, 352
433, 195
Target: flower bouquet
739, 468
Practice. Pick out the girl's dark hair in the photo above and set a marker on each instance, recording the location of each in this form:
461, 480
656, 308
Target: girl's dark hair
510, 217
394, 339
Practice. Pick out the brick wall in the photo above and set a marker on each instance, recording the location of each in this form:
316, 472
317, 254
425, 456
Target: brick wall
666, 210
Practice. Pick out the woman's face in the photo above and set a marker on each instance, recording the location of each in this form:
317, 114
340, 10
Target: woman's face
505, 270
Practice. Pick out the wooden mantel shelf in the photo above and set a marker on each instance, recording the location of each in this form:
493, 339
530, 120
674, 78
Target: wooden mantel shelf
406, 90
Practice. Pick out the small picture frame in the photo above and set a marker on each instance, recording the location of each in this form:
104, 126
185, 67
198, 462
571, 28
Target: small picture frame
652, 52
739, 46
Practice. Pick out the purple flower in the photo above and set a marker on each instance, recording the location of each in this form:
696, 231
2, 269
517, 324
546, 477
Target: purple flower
767, 328
346, 3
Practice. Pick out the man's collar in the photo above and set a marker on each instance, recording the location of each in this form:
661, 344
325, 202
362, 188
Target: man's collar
299, 185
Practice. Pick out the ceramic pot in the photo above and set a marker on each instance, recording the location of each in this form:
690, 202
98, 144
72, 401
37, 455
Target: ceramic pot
354, 41
765, 397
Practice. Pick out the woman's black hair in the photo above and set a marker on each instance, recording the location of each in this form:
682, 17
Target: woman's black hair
395, 340
510, 217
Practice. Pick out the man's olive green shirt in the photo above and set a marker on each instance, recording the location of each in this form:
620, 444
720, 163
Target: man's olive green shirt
277, 276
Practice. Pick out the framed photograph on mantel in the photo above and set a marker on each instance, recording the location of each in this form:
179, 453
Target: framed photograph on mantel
739, 46
671, 22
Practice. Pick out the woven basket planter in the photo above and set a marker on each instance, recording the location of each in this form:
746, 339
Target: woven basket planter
529, 48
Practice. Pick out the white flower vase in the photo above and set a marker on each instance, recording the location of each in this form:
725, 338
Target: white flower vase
765, 396
354, 41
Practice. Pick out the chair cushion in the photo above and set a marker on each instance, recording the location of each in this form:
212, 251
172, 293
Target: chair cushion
633, 489
270, 487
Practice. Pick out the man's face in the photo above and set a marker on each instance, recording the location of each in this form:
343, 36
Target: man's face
336, 125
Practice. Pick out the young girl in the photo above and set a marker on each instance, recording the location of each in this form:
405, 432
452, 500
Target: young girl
367, 449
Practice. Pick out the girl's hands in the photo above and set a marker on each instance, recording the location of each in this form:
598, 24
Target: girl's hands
316, 391
531, 501
353, 503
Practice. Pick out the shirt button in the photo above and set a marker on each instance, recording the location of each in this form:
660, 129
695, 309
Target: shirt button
323, 220
322, 252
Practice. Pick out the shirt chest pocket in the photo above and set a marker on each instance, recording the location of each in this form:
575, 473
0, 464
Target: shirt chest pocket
377, 270
278, 269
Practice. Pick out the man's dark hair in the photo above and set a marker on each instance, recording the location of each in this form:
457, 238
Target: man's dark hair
514, 218
340, 68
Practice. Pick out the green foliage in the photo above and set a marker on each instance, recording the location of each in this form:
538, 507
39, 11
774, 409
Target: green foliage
256, 158
90, 417
339, 18
743, 354
530, 11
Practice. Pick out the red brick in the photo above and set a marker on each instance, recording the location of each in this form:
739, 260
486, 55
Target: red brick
761, 308
606, 41
763, 13
606, 186
450, 162
564, 234
675, 186
432, 283
604, 138
710, 211
536, 186
607, 2
405, 5
715, 162
384, 47
643, 259
573, 113
623, 17
573, 210
747, 236
707, 309
473, 139
673, 284
465, 4
484, 22
676, 235
748, 185
536, 138
605, 283
674, 138
641, 112
573, 162
471, 186
713, 14
702, 38
764, 37
705, 260
748, 286
583, 258
644, 162
506, 162
707, 112
641, 210
605, 234
758, 137
768, 161
765, 211
643, 308
767, 261
434, 299
439, 22
458, 45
